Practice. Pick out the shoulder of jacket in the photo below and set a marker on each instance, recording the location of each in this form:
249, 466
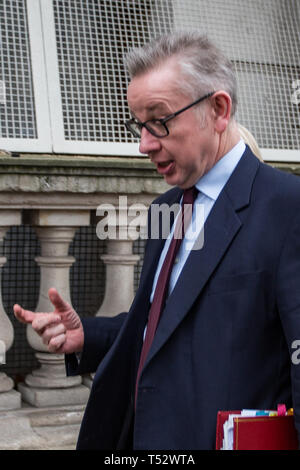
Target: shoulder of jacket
168, 197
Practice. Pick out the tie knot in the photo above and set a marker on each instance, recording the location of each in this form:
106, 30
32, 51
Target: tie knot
189, 195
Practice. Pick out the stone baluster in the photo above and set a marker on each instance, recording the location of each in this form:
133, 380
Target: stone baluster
9, 398
49, 385
123, 227
119, 259
119, 286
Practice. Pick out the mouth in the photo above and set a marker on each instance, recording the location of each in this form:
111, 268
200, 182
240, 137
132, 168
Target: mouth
165, 168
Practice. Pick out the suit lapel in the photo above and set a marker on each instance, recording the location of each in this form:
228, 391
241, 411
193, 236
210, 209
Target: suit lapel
221, 227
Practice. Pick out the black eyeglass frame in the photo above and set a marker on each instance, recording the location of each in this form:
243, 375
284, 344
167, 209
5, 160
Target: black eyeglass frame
162, 120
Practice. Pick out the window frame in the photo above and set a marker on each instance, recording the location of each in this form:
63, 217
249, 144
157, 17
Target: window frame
48, 100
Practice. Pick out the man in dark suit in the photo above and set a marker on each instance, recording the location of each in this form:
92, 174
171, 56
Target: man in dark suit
231, 314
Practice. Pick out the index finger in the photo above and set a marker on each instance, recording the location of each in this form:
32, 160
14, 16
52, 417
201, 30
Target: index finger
24, 316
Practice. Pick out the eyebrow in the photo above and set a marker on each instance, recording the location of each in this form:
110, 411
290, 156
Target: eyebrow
158, 106
161, 107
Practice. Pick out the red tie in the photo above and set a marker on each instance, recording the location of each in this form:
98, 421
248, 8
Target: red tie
162, 285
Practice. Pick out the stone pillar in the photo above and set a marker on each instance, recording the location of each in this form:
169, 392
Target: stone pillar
49, 385
9, 398
123, 227
119, 261
119, 285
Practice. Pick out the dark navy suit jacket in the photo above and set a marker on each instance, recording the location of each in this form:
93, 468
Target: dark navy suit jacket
226, 334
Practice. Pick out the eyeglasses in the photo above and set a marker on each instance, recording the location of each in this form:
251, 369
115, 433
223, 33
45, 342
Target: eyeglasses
157, 127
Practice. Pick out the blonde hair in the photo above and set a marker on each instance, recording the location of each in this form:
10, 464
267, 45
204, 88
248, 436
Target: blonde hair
250, 140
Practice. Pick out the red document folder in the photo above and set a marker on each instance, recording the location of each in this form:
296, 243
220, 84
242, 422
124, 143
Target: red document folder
259, 432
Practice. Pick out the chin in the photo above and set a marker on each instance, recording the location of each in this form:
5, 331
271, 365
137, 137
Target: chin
173, 180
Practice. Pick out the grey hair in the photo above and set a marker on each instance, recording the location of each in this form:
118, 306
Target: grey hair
203, 66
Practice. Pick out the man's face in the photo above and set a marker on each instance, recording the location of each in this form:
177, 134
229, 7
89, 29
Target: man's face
190, 149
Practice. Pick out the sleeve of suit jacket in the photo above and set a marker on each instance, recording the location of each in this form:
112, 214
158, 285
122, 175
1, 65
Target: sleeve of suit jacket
288, 300
99, 335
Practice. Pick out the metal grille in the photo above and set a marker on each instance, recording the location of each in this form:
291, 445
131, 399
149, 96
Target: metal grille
262, 39
84, 44
20, 278
91, 39
17, 106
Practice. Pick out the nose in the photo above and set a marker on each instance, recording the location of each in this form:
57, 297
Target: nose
149, 143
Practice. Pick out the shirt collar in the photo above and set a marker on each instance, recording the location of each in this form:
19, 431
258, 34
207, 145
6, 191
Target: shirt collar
212, 183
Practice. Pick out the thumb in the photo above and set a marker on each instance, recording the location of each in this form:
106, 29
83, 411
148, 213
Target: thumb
69, 317
60, 305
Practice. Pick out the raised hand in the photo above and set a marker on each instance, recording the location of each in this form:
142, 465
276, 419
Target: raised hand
61, 330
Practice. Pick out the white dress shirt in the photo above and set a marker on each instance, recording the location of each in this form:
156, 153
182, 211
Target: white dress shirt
209, 186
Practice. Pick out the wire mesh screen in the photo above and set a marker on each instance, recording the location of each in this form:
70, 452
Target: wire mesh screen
262, 39
17, 106
20, 284
91, 39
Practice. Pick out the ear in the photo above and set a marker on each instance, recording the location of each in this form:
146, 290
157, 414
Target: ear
221, 105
